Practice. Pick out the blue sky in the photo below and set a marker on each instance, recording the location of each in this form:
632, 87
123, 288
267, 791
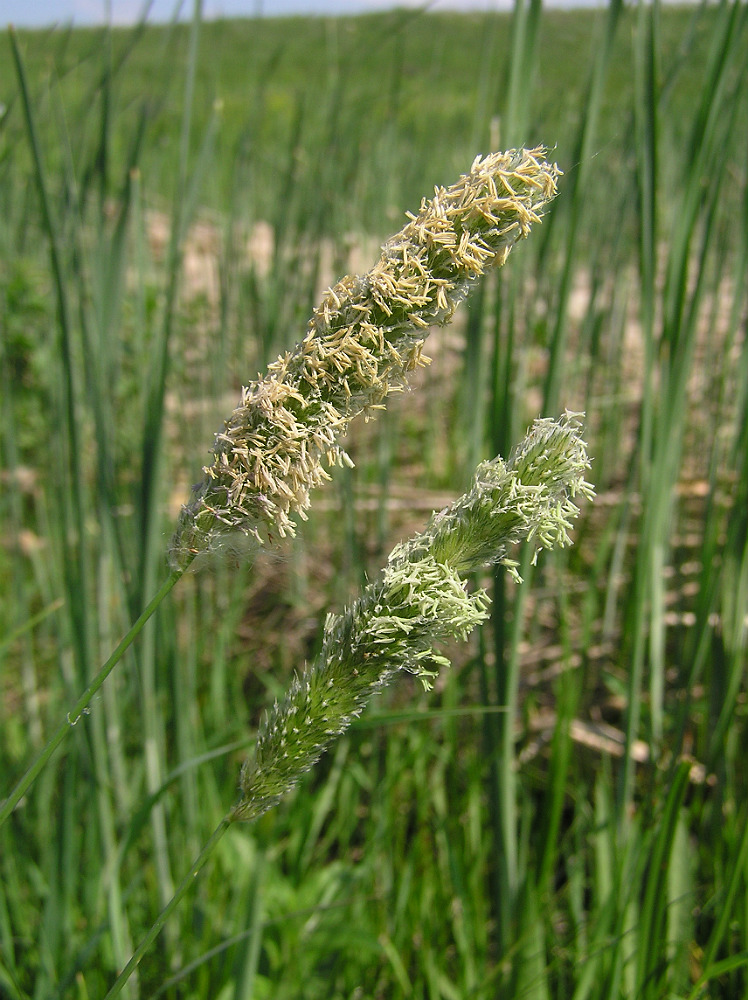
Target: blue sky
33, 13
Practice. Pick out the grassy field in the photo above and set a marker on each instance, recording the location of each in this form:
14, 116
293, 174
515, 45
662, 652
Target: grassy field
566, 814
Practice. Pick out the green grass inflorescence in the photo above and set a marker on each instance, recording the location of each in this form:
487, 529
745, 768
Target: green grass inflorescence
420, 601
363, 342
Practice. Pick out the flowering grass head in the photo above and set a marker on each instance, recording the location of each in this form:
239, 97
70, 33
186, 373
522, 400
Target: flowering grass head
363, 342
420, 601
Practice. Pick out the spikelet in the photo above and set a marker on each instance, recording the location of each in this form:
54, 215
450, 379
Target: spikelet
420, 601
363, 342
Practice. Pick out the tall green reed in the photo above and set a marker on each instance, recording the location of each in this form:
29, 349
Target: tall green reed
505, 391
669, 349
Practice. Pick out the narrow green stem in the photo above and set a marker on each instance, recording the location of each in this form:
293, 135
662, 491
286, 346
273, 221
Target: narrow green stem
80, 706
184, 887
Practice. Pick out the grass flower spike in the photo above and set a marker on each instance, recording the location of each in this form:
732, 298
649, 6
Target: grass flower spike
362, 343
420, 601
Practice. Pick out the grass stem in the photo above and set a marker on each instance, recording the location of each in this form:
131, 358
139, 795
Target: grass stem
184, 887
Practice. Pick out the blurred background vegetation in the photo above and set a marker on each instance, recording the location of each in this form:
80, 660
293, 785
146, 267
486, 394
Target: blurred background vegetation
565, 815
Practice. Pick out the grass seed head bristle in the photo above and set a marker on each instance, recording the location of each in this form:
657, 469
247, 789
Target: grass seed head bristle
363, 342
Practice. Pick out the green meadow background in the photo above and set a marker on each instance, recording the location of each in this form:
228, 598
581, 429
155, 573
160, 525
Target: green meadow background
566, 814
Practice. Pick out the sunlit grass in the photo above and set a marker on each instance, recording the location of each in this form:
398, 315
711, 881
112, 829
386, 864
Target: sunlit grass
564, 815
